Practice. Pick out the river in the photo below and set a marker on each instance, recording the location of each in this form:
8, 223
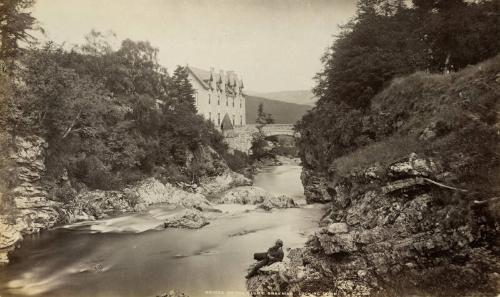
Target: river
116, 257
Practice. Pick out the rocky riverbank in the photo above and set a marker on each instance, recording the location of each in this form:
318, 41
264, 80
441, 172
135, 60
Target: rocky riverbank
413, 185
32, 209
398, 230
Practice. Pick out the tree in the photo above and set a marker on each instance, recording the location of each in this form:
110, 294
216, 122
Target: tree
263, 118
259, 141
458, 33
15, 24
57, 99
110, 116
181, 93
386, 39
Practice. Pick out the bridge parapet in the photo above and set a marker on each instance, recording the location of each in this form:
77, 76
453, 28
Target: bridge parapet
240, 138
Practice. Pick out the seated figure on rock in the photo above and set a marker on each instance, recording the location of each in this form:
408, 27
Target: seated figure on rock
273, 254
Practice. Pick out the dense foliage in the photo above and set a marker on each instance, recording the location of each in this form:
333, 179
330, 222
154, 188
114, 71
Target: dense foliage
388, 39
259, 142
110, 116
15, 22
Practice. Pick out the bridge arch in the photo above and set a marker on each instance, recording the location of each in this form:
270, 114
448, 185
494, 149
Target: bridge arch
240, 138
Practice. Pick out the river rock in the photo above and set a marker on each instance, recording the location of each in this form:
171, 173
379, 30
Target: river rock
337, 228
245, 195
97, 204
189, 218
152, 191
217, 184
279, 201
256, 196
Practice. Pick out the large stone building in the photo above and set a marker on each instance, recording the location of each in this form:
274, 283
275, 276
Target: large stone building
219, 97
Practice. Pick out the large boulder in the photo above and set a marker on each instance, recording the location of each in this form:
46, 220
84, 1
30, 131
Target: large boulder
152, 191
244, 195
256, 196
98, 204
213, 185
189, 219
279, 201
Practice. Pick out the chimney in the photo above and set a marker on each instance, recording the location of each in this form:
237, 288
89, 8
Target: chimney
222, 78
230, 77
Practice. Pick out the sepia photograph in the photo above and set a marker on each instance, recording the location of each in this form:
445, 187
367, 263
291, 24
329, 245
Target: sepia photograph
249, 148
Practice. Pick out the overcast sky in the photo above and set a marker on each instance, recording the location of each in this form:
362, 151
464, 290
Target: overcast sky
273, 44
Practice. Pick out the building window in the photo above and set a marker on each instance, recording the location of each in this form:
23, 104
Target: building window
233, 101
209, 116
218, 99
218, 118
227, 101
209, 98
241, 120
241, 99
233, 120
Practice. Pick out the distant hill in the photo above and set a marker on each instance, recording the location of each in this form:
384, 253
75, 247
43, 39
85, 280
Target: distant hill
282, 112
297, 96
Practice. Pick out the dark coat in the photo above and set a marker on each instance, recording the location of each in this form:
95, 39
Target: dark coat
275, 254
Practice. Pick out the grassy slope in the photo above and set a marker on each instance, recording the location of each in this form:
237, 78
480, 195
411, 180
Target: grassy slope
460, 111
282, 112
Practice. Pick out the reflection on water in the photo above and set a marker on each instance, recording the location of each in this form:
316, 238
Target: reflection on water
122, 260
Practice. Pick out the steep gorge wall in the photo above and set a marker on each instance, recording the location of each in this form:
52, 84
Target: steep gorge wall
29, 209
416, 211
401, 230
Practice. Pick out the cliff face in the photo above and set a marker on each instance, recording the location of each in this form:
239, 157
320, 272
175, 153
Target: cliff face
315, 185
402, 230
30, 210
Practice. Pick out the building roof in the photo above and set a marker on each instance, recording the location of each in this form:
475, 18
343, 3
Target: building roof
205, 77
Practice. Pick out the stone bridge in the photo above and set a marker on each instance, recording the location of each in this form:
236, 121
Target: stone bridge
240, 138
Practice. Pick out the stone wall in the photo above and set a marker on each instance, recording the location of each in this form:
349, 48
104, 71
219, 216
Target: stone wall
240, 138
